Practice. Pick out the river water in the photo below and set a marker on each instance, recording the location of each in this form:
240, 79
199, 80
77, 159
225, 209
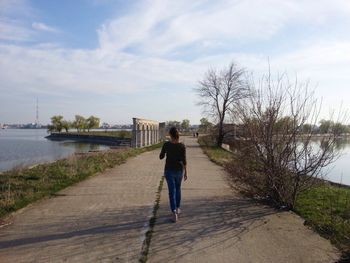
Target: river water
24, 147
339, 171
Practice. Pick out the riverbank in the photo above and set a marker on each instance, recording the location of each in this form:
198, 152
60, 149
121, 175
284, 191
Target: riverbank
103, 218
119, 134
19, 187
24, 148
115, 138
325, 207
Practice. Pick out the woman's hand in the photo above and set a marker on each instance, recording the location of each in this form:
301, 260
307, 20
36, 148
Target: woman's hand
185, 176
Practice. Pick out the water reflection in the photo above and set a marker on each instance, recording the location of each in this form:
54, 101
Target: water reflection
342, 143
82, 147
339, 170
28, 147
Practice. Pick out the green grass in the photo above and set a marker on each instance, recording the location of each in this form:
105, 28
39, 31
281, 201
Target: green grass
327, 209
216, 154
19, 187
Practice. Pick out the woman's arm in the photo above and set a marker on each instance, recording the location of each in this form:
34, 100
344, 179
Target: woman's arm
185, 172
184, 161
162, 152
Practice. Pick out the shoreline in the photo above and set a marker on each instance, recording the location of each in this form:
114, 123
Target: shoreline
86, 143
41, 180
48, 162
91, 138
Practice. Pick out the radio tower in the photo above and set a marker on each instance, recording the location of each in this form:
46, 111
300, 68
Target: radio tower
37, 125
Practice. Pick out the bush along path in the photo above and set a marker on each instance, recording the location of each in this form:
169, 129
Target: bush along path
325, 207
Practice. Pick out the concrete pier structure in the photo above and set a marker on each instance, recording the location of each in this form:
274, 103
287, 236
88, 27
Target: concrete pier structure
147, 132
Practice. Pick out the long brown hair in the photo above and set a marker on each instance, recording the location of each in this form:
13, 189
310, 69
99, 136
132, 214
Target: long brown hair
174, 133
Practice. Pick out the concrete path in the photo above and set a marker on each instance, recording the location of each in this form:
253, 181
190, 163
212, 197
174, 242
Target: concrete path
101, 219
218, 225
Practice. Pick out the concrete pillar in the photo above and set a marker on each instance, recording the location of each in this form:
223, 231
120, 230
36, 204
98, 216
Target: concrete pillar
139, 138
143, 135
146, 132
148, 135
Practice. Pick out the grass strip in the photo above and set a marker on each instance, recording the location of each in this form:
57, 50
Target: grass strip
152, 221
326, 208
20, 187
216, 154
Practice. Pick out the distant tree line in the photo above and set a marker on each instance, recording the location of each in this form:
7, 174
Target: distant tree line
184, 125
337, 128
58, 123
205, 125
324, 127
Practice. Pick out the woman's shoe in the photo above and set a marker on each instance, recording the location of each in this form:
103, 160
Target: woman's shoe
178, 211
174, 217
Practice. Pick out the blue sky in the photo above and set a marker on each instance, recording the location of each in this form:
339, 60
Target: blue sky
124, 59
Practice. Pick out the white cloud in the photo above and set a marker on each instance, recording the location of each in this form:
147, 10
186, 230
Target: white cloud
61, 70
161, 27
12, 26
134, 50
14, 30
43, 27
15, 7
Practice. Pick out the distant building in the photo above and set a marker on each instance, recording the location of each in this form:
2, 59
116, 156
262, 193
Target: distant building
105, 125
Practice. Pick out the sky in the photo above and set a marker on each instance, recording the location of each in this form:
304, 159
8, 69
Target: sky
121, 59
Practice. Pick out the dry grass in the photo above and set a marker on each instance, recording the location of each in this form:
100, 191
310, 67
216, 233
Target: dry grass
22, 186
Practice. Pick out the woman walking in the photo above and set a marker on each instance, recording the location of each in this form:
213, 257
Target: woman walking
175, 169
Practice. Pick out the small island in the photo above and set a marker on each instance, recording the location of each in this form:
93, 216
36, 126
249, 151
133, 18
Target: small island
84, 134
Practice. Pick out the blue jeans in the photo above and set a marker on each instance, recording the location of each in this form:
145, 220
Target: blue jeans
173, 179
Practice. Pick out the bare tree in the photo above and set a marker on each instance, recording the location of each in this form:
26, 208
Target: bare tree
219, 92
277, 158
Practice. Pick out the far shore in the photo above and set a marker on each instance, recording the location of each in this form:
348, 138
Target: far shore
111, 138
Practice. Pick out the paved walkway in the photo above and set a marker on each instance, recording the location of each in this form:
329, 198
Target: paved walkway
103, 219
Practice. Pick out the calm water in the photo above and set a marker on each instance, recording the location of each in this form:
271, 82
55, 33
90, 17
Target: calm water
339, 171
27, 147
